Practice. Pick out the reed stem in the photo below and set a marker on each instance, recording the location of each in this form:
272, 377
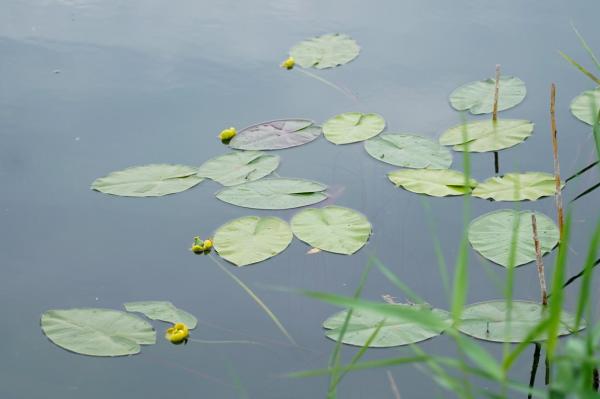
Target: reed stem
558, 195
495, 115
539, 262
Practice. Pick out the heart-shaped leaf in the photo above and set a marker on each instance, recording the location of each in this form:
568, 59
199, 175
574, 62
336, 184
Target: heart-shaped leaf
478, 96
163, 311
586, 105
252, 239
325, 51
239, 167
409, 151
517, 187
487, 135
351, 127
275, 135
438, 183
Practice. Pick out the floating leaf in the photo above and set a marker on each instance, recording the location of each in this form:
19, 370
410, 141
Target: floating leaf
488, 321
275, 135
492, 235
517, 187
351, 127
164, 311
395, 331
409, 151
239, 167
252, 239
586, 105
487, 135
439, 183
97, 332
478, 96
332, 228
148, 181
274, 194
325, 51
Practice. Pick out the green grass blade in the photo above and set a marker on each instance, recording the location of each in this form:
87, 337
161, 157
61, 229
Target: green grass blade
586, 282
529, 338
586, 47
581, 68
582, 171
396, 281
586, 192
359, 366
437, 247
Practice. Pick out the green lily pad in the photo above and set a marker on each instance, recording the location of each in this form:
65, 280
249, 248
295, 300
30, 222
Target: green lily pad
239, 167
487, 135
438, 183
148, 181
488, 321
252, 239
517, 187
478, 96
395, 331
276, 135
491, 235
332, 228
325, 51
409, 151
97, 332
351, 127
163, 311
586, 105
277, 193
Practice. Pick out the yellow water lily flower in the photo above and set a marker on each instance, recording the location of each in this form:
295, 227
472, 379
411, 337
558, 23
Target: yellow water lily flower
198, 246
207, 245
227, 134
289, 63
178, 333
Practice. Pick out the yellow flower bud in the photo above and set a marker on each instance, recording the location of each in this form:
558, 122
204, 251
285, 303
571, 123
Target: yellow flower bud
178, 333
227, 134
197, 249
207, 245
289, 63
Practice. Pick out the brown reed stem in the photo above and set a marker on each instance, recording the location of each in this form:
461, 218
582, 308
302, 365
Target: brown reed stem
558, 195
495, 114
538, 261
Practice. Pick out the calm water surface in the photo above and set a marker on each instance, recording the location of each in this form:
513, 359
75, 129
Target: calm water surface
88, 87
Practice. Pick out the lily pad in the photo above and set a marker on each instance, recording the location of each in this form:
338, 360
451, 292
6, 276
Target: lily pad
395, 331
148, 181
586, 105
163, 311
488, 321
409, 151
97, 332
325, 51
487, 135
332, 228
517, 187
277, 193
438, 183
478, 96
351, 127
492, 234
275, 135
252, 239
239, 167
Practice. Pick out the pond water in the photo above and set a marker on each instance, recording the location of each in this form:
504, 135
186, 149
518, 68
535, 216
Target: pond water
89, 86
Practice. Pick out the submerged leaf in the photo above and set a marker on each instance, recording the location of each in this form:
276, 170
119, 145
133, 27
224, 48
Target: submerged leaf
252, 239
517, 187
332, 228
478, 96
438, 183
492, 235
395, 331
163, 311
148, 181
325, 51
487, 135
97, 332
275, 135
239, 167
351, 127
586, 105
409, 151
488, 321
277, 193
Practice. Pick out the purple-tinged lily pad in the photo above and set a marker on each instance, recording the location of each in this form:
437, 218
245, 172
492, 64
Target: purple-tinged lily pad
275, 135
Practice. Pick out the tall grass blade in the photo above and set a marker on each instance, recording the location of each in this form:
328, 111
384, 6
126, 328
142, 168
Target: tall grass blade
586, 192
586, 282
582, 171
581, 68
586, 47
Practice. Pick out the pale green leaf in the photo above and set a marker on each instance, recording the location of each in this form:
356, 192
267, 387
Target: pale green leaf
239, 167
487, 135
148, 181
276, 135
325, 51
332, 228
492, 236
478, 96
97, 332
351, 127
277, 193
517, 187
252, 239
409, 151
586, 105
438, 183
164, 311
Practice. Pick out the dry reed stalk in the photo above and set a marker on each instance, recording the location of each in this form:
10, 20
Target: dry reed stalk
538, 261
558, 195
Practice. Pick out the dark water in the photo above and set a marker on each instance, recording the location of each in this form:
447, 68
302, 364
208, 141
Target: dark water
88, 87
